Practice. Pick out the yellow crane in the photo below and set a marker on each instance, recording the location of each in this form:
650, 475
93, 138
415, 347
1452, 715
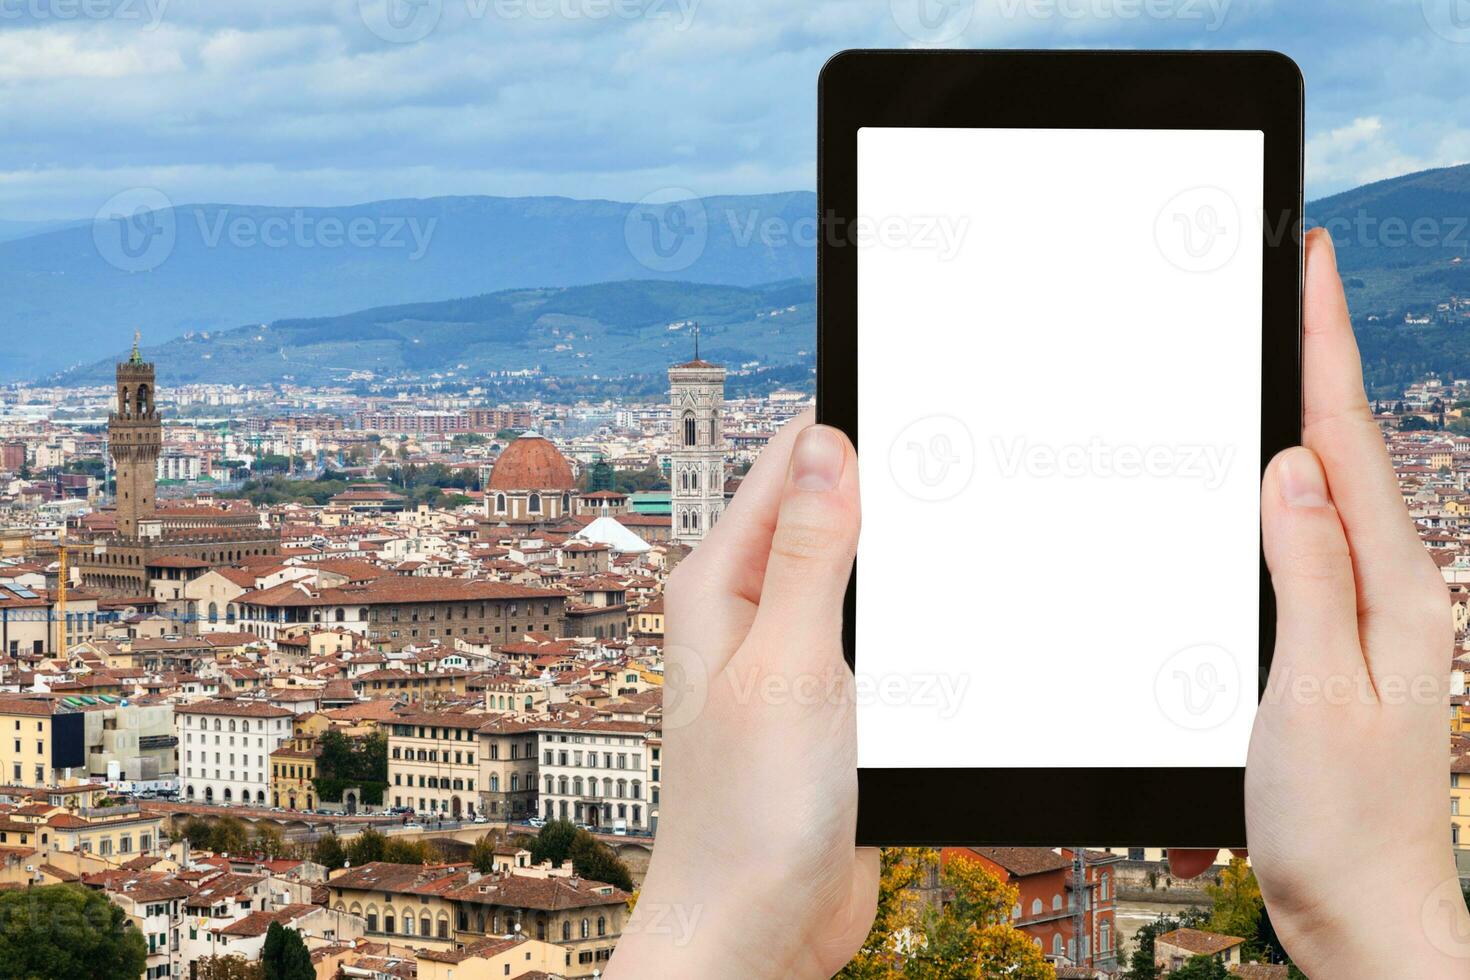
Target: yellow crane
62, 575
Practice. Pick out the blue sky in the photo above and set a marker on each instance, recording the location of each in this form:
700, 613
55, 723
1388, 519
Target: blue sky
315, 102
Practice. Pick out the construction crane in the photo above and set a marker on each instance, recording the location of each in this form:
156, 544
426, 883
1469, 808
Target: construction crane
62, 575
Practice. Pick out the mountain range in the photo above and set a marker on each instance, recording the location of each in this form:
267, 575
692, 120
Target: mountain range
618, 332
169, 270
468, 286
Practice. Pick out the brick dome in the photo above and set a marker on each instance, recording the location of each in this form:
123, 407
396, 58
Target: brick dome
531, 462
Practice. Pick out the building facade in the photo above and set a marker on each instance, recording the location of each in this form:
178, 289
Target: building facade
226, 747
697, 456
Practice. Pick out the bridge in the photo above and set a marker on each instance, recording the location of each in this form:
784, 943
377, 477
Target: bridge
305, 826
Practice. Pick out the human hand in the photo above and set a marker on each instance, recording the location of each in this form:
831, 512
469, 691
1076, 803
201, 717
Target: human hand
755, 873
1347, 777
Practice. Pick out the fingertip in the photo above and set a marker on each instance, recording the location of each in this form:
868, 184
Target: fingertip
1298, 479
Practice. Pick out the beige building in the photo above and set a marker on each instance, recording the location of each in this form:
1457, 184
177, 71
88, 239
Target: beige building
508, 768
42, 740
1174, 949
433, 763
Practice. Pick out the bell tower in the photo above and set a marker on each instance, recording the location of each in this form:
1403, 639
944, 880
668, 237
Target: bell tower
697, 473
134, 437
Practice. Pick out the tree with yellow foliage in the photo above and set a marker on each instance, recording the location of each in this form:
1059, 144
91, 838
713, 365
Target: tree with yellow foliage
968, 936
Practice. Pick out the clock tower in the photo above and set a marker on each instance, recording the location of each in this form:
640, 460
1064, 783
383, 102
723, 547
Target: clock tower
697, 473
134, 437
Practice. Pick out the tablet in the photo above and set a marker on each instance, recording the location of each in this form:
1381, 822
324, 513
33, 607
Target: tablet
1059, 314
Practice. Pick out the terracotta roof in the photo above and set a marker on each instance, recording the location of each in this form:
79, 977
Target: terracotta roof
531, 462
238, 709
1198, 941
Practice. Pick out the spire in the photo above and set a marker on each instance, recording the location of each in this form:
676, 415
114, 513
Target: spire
137, 357
696, 340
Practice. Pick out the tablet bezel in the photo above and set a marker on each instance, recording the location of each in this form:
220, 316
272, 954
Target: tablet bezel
1178, 807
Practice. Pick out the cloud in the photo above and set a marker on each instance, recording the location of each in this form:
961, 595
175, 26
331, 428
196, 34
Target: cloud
277, 101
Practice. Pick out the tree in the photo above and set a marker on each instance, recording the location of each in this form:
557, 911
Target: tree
366, 847
61, 932
285, 956
482, 853
553, 842
967, 938
1201, 968
199, 833
592, 859
270, 842
398, 850
1238, 906
234, 967
329, 852
230, 836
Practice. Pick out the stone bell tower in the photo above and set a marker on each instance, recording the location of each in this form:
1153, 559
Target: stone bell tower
697, 457
134, 437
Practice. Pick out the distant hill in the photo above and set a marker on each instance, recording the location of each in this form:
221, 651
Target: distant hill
629, 329
72, 291
1403, 246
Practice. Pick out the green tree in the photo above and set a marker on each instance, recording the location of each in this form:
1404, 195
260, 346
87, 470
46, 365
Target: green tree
399, 850
366, 847
270, 842
61, 932
482, 853
230, 836
1201, 968
329, 852
199, 833
234, 967
594, 860
554, 842
285, 956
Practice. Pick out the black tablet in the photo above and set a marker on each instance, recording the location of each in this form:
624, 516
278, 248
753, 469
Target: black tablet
1059, 314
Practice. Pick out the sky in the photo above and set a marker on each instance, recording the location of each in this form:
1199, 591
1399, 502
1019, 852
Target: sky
329, 102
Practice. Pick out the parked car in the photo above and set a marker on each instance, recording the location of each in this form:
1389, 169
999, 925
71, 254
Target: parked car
536, 822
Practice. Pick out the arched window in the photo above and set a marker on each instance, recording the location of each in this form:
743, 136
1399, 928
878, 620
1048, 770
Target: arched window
230, 613
566, 502
586, 929
213, 613
712, 424
1056, 903
144, 398
341, 615
566, 931
125, 403
494, 782
1056, 944
1103, 888
690, 435
533, 505
602, 925
1036, 906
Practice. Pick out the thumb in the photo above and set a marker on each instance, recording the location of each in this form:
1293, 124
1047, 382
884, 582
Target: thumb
1311, 568
812, 546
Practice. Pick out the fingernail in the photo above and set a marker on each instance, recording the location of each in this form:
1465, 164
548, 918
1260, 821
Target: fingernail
1303, 483
816, 461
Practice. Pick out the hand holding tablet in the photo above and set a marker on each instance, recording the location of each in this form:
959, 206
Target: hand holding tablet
1059, 312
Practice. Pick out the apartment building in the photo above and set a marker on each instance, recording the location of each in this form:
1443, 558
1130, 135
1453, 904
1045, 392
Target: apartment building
433, 763
225, 748
596, 772
508, 767
42, 740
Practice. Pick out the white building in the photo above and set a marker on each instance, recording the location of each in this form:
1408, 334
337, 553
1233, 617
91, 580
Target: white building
697, 460
597, 772
225, 748
173, 465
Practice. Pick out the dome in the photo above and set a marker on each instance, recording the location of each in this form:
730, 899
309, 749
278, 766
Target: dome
531, 462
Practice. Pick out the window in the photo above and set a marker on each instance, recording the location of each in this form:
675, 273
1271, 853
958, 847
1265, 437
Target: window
690, 435
1036, 906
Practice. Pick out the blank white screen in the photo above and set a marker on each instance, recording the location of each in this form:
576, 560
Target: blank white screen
1059, 345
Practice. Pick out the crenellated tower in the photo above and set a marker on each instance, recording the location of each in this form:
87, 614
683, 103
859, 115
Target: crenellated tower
134, 437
